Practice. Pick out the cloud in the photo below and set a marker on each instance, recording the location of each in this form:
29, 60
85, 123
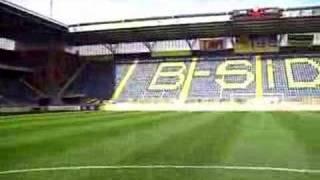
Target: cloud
76, 11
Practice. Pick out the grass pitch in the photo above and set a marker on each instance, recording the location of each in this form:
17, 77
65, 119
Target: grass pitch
240, 139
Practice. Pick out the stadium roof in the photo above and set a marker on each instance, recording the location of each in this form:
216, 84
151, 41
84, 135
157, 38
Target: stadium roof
20, 23
193, 26
18, 20
20, 13
176, 19
190, 26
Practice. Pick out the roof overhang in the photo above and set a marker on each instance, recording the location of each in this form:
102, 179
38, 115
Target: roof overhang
198, 30
17, 12
21, 24
25, 24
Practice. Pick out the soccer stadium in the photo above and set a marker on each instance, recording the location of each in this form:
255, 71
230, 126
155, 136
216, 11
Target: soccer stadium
225, 95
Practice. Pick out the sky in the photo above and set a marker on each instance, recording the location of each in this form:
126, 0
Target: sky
80, 11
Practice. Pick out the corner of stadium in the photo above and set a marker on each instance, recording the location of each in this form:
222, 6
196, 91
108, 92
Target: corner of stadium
230, 95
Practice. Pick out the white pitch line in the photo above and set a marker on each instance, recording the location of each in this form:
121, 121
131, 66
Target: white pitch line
248, 168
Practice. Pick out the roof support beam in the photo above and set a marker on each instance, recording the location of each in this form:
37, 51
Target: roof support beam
191, 43
149, 46
16, 68
112, 48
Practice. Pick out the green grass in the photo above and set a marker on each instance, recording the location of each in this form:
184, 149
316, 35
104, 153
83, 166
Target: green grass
257, 139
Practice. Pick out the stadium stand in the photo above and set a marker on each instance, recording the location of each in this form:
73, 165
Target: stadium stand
95, 81
14, 93
216, 58
220, 80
